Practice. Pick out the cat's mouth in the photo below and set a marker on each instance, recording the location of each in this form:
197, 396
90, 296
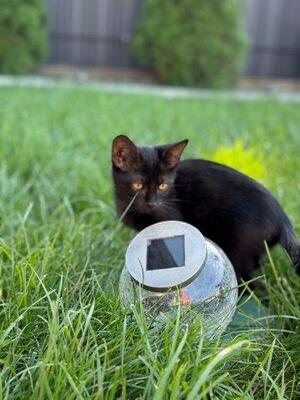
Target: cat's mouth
152, 208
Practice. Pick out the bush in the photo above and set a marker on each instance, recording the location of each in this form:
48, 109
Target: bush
23, 35
192, 42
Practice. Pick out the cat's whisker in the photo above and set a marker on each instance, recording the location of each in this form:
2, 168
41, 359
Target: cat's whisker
180, 201
168, 209
167, 206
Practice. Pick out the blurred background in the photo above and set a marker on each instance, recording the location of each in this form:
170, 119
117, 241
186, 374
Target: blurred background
207, 43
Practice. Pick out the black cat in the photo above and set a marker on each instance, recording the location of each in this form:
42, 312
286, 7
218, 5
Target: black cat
152, 184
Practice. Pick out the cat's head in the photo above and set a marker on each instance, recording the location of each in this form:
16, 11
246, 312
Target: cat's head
145, 172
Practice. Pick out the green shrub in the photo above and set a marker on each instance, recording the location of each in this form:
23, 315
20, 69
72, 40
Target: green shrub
192, 42
23, 35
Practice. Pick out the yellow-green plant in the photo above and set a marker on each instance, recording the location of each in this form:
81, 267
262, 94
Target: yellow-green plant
248, 160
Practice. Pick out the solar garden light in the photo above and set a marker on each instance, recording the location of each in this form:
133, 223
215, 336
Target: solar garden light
171, 263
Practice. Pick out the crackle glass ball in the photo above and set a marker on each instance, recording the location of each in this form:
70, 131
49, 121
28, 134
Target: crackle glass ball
171, 263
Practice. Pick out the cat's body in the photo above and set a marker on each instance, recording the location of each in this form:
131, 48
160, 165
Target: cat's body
231, 209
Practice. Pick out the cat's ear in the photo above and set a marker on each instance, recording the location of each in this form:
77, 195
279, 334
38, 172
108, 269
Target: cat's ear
125, 154
172, 153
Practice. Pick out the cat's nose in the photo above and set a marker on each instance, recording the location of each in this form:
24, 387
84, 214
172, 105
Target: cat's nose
152, 204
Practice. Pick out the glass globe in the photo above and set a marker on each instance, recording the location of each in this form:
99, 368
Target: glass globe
212, 294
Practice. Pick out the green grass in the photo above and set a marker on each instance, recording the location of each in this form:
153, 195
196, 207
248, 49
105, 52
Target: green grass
63, 334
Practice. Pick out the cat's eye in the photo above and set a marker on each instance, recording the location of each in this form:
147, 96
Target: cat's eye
137, 186
163, 186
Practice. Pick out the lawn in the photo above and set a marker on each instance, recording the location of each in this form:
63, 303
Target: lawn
63, 334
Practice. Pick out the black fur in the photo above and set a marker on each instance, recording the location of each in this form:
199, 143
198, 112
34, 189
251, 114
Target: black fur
231, 209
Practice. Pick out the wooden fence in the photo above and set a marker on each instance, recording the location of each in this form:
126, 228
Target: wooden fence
98, 32
92, 32
273, 28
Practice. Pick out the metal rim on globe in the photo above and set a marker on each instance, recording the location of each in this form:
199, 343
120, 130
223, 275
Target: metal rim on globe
177, 255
